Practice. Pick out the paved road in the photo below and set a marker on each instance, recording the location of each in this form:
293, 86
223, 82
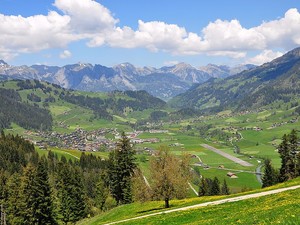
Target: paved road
226, 155
218, 202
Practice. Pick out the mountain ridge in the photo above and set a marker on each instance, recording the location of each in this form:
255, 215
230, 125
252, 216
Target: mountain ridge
168, 81
278, 80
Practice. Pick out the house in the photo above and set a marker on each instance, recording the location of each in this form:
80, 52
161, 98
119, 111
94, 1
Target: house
231, 175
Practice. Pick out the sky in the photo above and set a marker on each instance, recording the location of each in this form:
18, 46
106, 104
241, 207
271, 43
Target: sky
147, 33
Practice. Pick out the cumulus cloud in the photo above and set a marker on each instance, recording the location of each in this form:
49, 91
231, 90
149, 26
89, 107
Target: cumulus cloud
65, 54
87, 16
265, 56
88, 20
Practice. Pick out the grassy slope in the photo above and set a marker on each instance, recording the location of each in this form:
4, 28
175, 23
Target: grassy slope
282, 207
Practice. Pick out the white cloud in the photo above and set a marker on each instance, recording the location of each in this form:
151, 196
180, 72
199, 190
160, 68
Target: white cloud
87, 16
65, 54
264, 57
89, 20
284, 32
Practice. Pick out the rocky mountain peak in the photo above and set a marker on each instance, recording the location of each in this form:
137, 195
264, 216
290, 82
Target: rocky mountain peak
3, 63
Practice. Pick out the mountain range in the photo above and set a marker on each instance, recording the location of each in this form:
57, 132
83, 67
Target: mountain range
276, 81
165, 82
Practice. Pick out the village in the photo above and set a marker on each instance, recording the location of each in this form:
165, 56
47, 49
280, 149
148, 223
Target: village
103, 139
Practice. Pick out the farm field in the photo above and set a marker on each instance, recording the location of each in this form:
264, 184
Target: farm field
254, 145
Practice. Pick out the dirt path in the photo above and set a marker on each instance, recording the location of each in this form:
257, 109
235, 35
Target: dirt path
218, 202
226, 155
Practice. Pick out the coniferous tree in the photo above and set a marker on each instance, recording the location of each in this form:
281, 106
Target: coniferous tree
102, 193
72, 205
13, 200
288, 150
204, 187
293, 140
225, 189
270, 176
121, 166
27, 195
215, 187
42, 205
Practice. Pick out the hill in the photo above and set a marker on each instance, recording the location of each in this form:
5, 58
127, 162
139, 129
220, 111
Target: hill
277, 207
165, 82
34, 104
277, 81
28, 116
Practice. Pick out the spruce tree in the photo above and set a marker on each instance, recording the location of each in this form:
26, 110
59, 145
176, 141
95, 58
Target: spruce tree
27, 195
14, 200
270, 176
102, 193
72, 205
121, 166
215, 187
288, 150
203, 188
284, 152
225, 188
42, 205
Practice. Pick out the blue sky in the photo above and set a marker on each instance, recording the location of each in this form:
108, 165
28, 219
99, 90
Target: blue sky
147, 33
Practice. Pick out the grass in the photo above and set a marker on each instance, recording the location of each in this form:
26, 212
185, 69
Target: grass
282, 208
278, 207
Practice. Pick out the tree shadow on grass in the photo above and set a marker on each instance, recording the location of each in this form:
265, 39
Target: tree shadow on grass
150, 210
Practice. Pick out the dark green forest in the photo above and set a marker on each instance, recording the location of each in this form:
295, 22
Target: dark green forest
28, 116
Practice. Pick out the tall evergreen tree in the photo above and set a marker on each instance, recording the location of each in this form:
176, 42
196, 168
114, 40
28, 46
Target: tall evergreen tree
204, 187
72, 204
215, 187
288, 150
42, 205
27, 195
14, 200
225, 189
121, 168
270, 176
102, 193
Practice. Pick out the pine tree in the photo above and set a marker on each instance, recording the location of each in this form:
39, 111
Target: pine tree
204, 188
283, 150
14, 200
27, 195
225, 188
293, 140
270, 176
288, 150
121, 168
42, 205
102, 193
215, 187
72, 204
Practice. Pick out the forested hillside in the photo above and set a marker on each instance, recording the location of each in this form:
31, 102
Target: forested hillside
28, 103
29, 116
272, 82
